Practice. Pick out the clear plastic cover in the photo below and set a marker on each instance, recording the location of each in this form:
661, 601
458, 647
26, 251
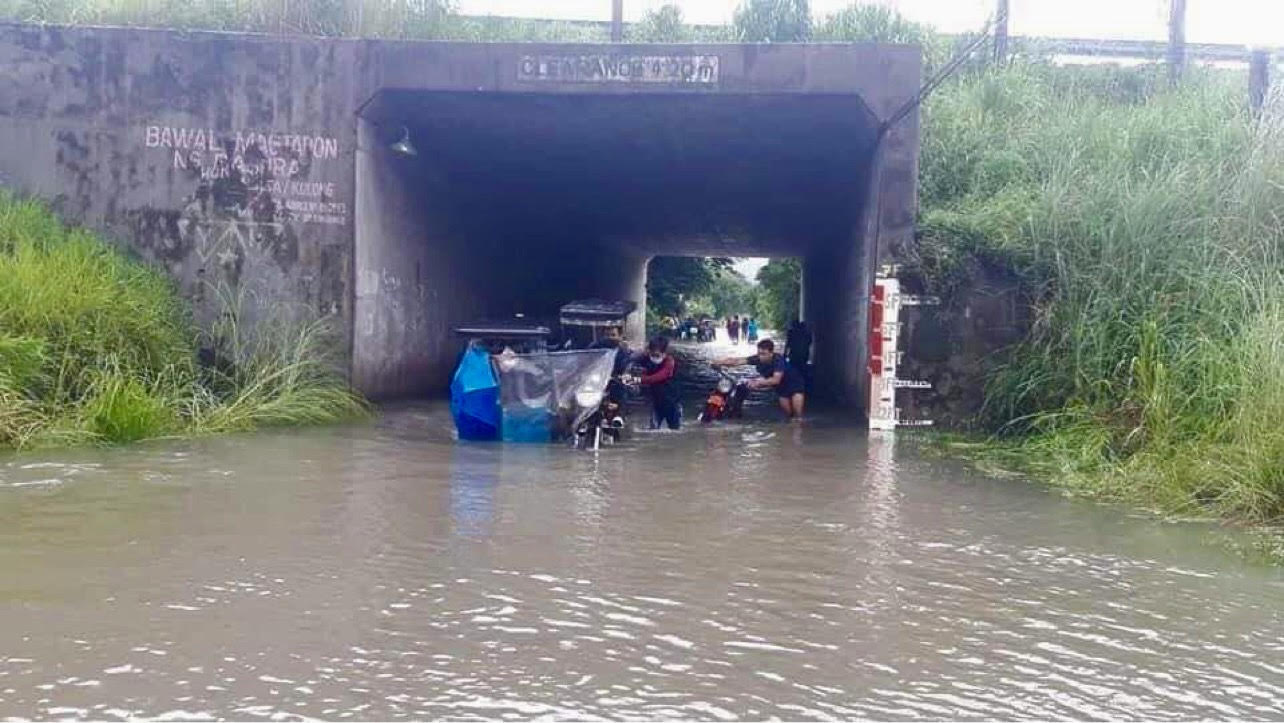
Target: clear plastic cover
546, 395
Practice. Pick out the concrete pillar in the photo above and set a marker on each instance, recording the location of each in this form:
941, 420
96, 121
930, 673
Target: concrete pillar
843, 273
802, 290
617, 275
634, 289
1259, 80
1001, 33
1176, 40
617, 21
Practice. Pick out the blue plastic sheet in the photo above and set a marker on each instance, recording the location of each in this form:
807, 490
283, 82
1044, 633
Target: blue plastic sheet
536, 397
474, 397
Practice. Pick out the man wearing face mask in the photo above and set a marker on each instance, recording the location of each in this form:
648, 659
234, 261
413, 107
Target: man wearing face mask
657, 381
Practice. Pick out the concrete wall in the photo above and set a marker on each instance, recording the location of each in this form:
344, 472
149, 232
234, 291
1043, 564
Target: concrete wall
234, 162
226, 159
432, 254
415, 278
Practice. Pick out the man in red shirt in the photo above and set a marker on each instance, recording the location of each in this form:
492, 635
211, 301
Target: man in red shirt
657, 382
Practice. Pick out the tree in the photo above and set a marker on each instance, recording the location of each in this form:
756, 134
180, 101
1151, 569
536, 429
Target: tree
773, 21
732, 294
880, 24
661, 25
780, 284
672, 279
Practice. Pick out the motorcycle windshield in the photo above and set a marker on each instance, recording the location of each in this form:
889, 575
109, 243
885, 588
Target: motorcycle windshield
581, 378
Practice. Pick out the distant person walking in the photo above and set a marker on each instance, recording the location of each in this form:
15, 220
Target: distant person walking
734, 329
751, 331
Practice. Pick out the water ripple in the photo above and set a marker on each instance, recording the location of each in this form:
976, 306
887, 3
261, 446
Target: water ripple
752, 571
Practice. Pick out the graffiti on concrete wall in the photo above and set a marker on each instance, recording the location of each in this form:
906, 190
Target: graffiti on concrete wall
620, 68
227, 241
262, 169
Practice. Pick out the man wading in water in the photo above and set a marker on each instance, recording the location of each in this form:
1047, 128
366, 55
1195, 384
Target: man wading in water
658, 384
776, 374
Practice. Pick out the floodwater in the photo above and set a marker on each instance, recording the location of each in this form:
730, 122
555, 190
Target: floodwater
757, 570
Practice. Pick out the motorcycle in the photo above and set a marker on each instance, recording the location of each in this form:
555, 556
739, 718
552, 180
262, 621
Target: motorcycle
726, 401
606, 423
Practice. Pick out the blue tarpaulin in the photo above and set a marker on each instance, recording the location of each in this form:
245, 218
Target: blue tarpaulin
474, 396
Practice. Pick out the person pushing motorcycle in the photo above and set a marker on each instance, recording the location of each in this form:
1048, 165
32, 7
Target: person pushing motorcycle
658, 383
775, 373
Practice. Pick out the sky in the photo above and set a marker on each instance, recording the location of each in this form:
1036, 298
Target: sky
1240, 22
748, 268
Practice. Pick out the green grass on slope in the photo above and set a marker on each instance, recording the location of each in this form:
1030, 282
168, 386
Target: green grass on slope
1146, 222
97, 347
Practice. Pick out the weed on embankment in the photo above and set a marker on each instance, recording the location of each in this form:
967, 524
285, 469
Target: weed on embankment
1146, 224
96, 347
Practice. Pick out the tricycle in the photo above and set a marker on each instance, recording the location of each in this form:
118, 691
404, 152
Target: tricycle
512, 385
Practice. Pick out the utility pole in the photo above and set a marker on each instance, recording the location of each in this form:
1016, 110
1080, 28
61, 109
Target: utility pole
1177, 41
1259, 80
1001, 33
617, 21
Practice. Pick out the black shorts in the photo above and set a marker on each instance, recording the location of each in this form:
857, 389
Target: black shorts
790, 386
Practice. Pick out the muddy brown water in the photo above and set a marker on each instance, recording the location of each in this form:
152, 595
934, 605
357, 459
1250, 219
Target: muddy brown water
757, 570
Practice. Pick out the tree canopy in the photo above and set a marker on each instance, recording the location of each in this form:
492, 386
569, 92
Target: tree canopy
773, 21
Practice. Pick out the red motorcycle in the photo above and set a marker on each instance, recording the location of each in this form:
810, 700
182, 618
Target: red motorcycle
726, 401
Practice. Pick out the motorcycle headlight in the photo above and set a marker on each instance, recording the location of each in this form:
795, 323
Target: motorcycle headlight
724, 386
588, 398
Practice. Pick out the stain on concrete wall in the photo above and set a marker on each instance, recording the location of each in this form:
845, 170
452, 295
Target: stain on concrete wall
226, 159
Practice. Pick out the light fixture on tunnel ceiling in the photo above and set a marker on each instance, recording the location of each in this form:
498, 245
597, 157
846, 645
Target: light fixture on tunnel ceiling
404, 146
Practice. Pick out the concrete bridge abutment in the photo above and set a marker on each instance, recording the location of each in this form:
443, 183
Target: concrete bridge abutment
541, 173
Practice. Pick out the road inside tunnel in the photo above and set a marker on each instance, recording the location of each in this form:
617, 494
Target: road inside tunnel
519, 202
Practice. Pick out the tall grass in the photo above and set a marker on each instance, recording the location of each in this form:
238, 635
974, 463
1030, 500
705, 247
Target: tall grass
97, 347
410, 19
1145, 223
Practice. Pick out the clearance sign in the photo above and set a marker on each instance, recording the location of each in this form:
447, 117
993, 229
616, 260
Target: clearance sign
620, 68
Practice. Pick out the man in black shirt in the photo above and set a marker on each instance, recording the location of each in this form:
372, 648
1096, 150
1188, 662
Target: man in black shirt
775, 373
613, 338
798, 349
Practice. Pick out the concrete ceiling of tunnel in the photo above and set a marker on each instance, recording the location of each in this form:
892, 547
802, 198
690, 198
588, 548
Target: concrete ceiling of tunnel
666, 173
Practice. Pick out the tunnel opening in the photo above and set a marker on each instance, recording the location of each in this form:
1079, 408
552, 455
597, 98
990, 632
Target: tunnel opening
721, 307
519, 202
719, 289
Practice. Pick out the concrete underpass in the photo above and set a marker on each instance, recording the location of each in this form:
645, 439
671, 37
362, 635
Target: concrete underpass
543, 173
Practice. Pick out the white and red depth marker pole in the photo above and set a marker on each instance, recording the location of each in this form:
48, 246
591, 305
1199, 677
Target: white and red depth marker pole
884, 354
